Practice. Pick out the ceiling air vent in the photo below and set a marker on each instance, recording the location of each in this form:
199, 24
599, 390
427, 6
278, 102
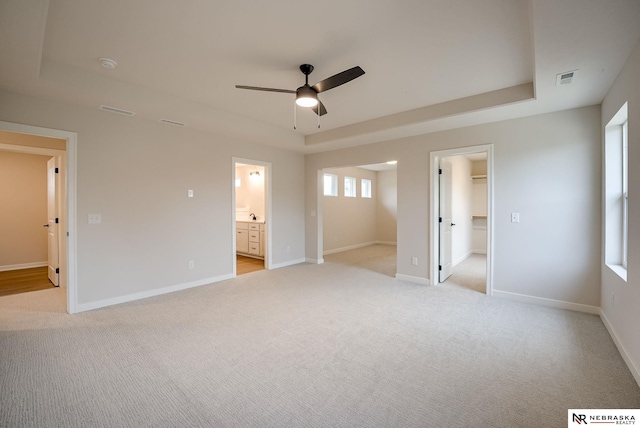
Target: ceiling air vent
171, 122
116, 110
565, 78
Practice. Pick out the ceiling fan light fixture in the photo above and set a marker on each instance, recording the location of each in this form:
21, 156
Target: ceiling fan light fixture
306, 97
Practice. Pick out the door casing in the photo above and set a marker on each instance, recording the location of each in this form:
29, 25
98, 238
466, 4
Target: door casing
269, 217
67, 162
434, 236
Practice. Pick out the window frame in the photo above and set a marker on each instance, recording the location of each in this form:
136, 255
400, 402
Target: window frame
625, 193
368, 187
348, 192
616, 192
333, 185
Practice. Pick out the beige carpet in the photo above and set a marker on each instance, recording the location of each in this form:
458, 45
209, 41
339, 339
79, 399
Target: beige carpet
471, 274
305, 346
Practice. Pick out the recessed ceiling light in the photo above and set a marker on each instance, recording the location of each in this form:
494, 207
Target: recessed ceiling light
392, 162
107, 63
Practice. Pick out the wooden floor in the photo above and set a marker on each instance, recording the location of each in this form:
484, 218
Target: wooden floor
24, 280
248, 264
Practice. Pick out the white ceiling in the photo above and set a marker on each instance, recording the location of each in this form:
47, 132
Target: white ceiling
430, 64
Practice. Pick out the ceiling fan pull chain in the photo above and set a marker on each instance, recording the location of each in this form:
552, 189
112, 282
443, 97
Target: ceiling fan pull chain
295, 118
318, 115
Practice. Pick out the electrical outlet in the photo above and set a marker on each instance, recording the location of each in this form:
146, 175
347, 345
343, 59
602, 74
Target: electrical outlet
192, 264
414, 261
515, 217
190, 193
95, 218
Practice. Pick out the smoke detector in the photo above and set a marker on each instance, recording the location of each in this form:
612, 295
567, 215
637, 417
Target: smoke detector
107, 63
566, 78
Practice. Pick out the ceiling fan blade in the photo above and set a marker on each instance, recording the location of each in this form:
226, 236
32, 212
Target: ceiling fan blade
323, 110
258, 88
338, 79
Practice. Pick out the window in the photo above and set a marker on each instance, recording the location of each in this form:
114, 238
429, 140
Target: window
330, 185
616, 184
349, 187
365, 188
625, 193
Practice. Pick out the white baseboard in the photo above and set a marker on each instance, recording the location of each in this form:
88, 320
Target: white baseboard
151, 293
350, 247
482, 251
541, 301
386, 242
287, 263
314, 261
23, 266
623, 351
414, 279
461, 259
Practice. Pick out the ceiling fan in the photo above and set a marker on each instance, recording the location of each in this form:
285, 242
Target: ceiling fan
306, 95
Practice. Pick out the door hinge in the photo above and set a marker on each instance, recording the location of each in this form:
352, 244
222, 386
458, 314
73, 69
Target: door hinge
57, 171
439, 219
57, 221
439, 170
57, 270
439, 267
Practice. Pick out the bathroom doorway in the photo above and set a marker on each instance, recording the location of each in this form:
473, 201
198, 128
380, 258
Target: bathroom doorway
251, 225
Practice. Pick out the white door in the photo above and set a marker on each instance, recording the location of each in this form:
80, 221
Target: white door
52, 221
445, 267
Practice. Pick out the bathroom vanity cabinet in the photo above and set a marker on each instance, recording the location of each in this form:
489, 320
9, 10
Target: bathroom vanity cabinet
250, 238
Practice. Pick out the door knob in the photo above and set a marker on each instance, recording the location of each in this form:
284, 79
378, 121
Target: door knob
45, 225
453, 224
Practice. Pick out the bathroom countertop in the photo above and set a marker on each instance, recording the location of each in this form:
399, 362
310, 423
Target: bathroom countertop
248, 220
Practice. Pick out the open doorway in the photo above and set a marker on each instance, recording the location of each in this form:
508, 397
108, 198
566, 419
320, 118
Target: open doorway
30, 246
55, 150
359, 216
252, 218
461, 214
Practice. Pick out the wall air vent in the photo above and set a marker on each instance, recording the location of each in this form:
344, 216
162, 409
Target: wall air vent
171, 122
566, 78
116, 110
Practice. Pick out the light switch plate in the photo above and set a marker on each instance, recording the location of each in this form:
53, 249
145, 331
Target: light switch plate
190, 193
515, 217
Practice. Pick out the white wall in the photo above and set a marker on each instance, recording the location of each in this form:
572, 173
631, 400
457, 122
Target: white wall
620, 299
136, 173
251, 193
461, 208
387, 207
546, 167
23, 210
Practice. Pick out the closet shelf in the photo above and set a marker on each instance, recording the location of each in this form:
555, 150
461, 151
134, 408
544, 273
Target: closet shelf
478, 216
478, 177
